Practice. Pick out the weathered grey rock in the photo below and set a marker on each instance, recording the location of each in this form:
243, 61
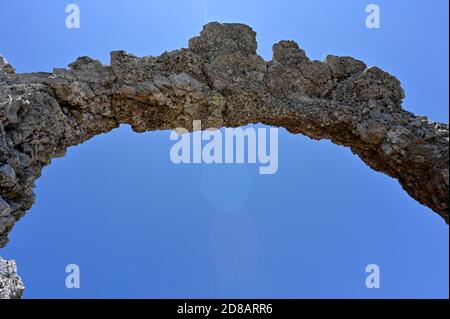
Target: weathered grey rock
11, 286
5, 66
220, 80
7, 176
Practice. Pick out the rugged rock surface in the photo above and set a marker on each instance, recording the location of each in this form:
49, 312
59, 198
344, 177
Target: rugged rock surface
220, 80
11, 286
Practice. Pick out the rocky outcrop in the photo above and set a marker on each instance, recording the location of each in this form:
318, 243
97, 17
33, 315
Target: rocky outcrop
11, 286
220, 80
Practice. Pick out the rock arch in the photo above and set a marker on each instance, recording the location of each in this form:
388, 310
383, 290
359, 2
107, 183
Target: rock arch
220, 80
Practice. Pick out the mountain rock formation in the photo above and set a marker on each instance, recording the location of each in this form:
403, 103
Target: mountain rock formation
220, 80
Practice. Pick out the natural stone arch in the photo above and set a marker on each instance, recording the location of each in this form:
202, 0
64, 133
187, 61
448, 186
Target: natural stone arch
220, 80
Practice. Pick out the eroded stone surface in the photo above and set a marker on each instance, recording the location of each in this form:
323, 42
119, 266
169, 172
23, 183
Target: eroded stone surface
220, 80
11, 286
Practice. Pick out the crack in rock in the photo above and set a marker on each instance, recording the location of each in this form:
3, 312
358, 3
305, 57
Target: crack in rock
220, 80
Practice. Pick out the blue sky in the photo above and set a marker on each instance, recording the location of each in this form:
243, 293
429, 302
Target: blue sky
140, 226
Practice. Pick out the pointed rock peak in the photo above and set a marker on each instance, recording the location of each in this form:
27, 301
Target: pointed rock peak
218, 39
288, 52
5, 66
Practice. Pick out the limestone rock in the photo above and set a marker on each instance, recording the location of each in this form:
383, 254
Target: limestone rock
5, 66
11, 286
220, 80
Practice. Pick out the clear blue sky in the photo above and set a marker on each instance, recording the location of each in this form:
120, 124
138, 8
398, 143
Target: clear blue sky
140, 226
